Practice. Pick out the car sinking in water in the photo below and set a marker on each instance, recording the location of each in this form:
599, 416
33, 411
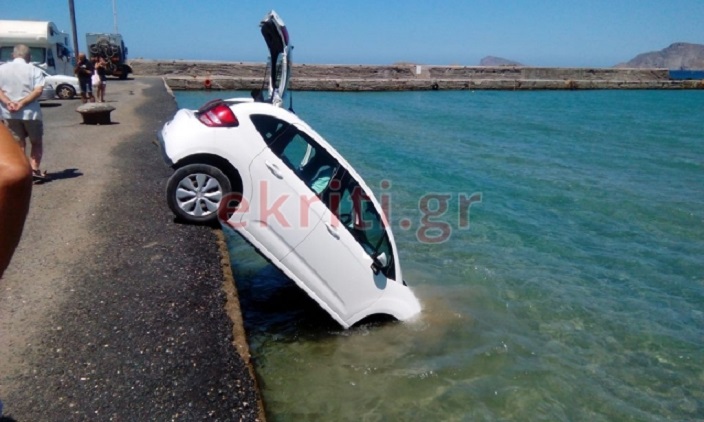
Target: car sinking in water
261, 170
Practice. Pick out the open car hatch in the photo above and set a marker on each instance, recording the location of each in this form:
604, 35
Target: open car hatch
276, 37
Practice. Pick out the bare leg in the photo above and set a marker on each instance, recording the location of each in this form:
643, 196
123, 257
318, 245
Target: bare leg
35, 156
18, 132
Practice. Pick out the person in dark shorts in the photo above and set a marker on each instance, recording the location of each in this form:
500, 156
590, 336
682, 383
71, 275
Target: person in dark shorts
84, 71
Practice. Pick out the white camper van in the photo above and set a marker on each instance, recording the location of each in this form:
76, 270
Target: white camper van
49, 46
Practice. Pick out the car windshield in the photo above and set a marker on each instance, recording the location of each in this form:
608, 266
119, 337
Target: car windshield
38, 54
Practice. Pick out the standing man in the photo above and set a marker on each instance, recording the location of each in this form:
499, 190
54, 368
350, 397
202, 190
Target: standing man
84, 71
21, 85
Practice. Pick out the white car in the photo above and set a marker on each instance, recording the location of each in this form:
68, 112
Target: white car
63, 86
263, 171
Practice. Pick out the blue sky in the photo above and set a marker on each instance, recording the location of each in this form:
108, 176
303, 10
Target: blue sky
598, 33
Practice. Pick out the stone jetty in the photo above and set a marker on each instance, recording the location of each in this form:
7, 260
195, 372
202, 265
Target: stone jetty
195, 75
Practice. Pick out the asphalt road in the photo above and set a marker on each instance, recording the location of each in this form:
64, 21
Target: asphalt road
111, 311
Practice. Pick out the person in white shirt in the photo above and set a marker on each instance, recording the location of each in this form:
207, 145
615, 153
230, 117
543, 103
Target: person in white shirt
21, 85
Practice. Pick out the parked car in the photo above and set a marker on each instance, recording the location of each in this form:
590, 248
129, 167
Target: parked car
62, 86
261, 170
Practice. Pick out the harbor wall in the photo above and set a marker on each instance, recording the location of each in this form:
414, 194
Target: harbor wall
195, 75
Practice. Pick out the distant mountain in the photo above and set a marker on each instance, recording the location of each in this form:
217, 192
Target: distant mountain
497, 61
680, 55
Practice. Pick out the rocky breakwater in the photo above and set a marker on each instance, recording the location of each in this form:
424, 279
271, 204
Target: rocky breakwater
195, 75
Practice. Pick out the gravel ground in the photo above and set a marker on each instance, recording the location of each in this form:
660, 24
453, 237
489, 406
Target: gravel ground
111, 311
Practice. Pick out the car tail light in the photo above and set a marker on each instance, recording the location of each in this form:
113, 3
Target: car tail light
217, 114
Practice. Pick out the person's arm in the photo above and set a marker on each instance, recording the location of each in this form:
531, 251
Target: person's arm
15, 193
7, 102
4, 99
32, 96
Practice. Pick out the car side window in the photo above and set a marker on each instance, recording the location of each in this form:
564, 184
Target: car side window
317, 169
270, 128
50, 58
315, 166
311, 162
295, 152
357, 213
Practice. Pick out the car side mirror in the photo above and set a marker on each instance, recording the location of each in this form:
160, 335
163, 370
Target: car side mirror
380, 260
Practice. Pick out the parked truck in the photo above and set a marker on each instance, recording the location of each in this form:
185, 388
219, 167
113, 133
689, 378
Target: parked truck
112, 48
48, 46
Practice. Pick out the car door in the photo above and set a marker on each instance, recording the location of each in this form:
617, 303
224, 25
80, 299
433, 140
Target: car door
278, 215
335, 261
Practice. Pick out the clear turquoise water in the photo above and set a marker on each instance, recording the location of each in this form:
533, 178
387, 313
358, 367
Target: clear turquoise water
576, 293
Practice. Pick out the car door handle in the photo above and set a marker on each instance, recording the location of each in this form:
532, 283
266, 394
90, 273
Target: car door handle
332, 230
274, 170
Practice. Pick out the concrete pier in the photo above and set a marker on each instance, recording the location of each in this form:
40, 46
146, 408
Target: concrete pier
195, 75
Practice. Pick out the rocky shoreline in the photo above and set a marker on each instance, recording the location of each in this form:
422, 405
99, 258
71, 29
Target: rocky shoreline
201, 75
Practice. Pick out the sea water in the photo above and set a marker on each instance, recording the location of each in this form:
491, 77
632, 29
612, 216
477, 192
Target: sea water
555, 240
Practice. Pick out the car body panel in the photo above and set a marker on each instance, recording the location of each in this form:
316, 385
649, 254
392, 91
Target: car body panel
331, 260
181, 130
53, 82
275, 206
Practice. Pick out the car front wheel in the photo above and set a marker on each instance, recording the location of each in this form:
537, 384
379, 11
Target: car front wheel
65, 92
194, 193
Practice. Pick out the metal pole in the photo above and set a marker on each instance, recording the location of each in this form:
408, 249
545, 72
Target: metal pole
73, 27
114, 16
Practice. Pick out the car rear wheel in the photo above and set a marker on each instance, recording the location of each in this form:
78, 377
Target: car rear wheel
194, 193
65, 92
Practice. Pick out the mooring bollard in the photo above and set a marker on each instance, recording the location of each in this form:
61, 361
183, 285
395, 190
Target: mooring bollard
95, 113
